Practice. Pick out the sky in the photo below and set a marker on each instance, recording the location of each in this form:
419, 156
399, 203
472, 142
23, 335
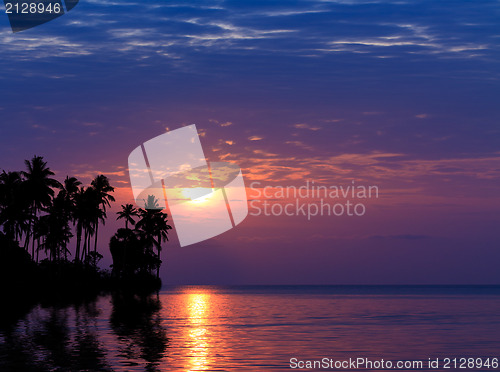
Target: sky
402, 95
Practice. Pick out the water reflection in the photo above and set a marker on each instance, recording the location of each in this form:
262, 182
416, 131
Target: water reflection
55, 338
111, 333
199, 352
257, 329
136, 321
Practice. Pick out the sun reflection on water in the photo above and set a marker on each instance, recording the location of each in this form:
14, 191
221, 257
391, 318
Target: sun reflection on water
199, 354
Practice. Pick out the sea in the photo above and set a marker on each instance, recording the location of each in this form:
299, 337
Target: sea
261, 328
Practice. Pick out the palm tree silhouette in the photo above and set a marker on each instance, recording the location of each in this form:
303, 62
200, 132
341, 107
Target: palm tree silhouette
39, 191
32, 212
161, 231
87, 214
79, 216
41, 230
128, 211
153, 224
70, 188
92, 214
58, 233
14, 207
151, 203
103, 198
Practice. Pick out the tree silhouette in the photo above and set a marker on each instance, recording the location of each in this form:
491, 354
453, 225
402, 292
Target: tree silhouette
153, 228
137, 322
15, 213
127, 252
151, 203
80, 218
103, 199
36, 209
161, 231
70, 188
39, 191
41, 230
88, 213
58, 232
128, 211
133, 250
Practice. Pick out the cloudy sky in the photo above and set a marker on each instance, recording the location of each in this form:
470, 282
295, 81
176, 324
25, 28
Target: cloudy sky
399, 94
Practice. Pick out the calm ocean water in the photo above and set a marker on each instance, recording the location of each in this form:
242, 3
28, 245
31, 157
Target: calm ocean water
205, 328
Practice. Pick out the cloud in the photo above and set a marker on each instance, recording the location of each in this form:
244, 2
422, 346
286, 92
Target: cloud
255, 138
301, 145
306, 126
264, 153
406, 38
225, 34
290, 12
180, 32
392, 171
26, 47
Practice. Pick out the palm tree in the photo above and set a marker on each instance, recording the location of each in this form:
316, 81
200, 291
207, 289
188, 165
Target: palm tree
70, 188
39, 189
128, 211
151, 203
86, 214
69, 193
14, 207
79, 216
145, 229
103, 198
161, 231
58, 232
153, 224
40, 232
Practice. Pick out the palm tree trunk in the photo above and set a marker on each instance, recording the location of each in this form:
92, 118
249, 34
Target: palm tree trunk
159, 250
78, 242
95, 241
84, 249
33, 248
89, 236
27, 240
33, 236
29, 233
158, 267
38, 249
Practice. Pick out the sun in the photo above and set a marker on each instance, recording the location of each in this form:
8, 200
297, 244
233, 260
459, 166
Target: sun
198, 195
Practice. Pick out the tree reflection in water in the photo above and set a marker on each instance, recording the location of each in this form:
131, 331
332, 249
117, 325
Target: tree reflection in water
56, 338
89, 336
136, 320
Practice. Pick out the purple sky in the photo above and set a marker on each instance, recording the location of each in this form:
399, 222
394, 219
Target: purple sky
398, 94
